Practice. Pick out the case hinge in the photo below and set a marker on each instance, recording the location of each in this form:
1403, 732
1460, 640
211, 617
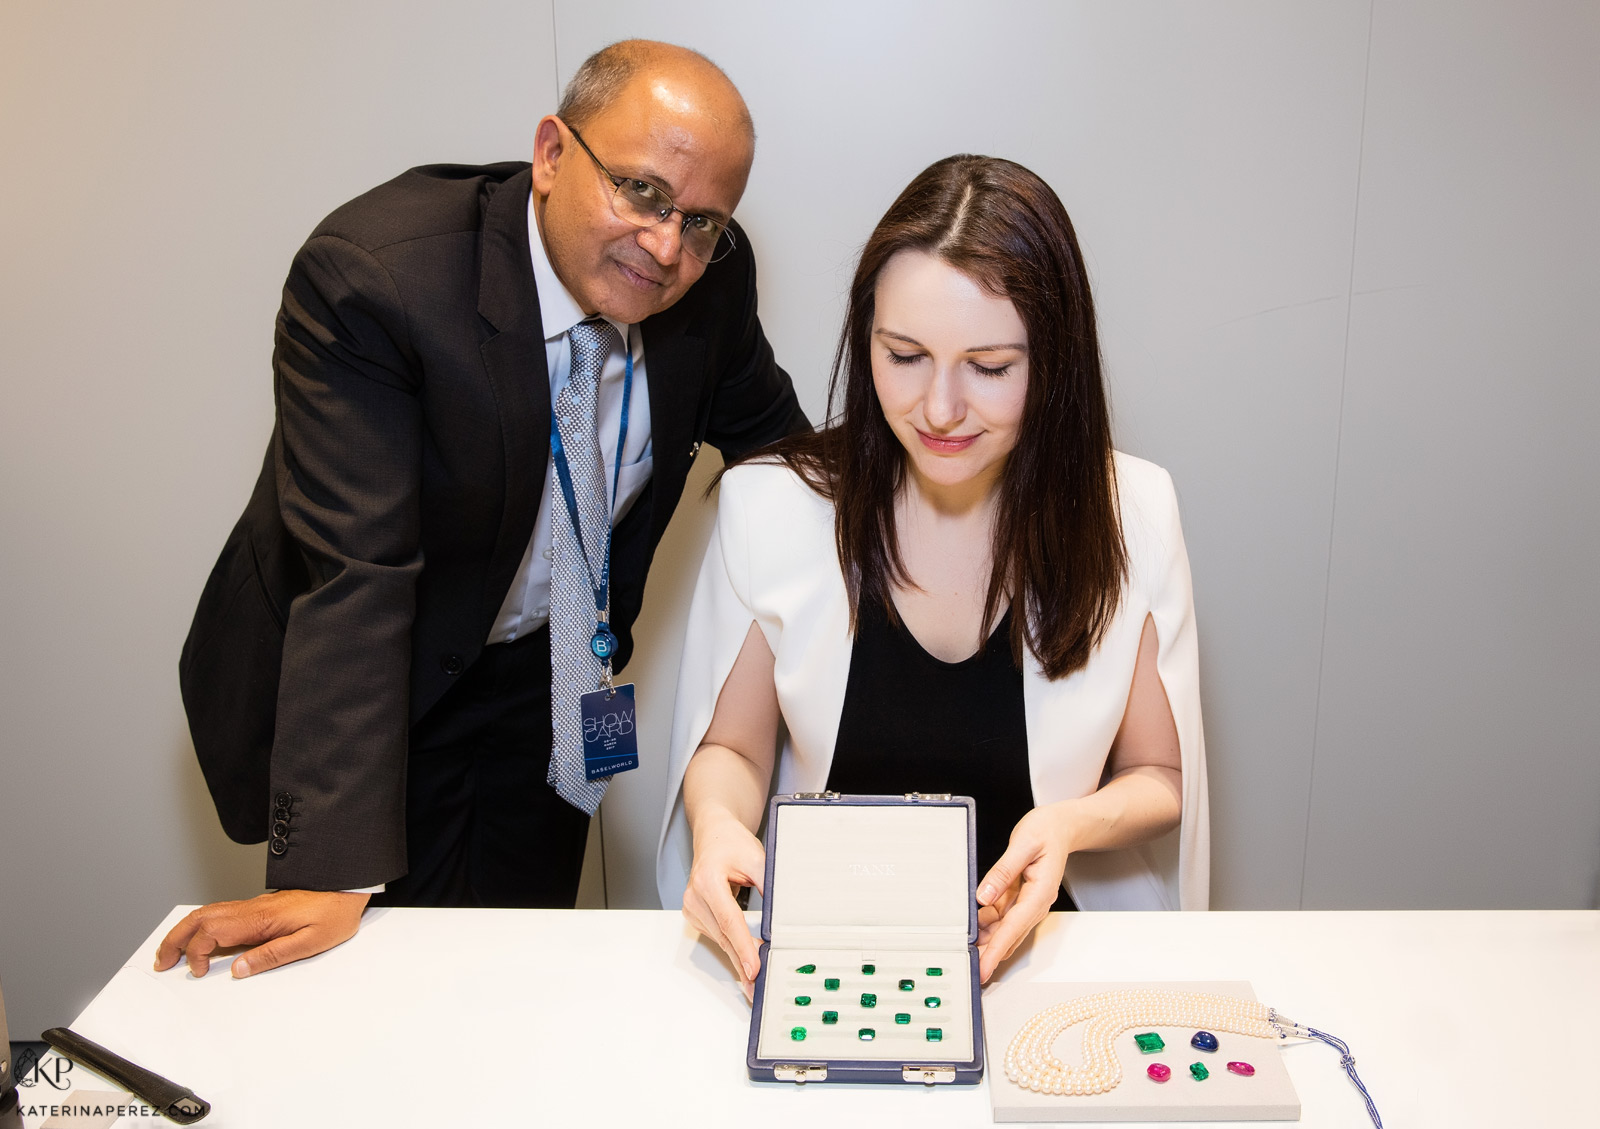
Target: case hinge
816, 795
812, 1072
928, 1075
915, 796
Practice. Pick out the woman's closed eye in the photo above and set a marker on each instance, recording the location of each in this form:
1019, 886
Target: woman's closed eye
998, 370
904, 358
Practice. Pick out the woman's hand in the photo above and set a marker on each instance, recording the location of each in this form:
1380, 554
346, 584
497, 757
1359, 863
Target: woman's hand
1021, 887
726, 857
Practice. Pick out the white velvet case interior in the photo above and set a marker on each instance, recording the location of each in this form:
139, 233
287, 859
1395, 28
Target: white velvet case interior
857, 885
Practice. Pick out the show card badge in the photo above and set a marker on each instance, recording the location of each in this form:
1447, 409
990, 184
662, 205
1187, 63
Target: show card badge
610, 732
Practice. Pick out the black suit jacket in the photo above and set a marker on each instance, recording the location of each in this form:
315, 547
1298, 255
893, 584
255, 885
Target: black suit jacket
399, 492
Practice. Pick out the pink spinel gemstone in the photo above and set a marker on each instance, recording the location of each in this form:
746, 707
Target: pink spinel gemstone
1159, 1072
1243, 1068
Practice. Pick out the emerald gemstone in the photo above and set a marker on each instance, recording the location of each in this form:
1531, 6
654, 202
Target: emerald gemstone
1199, 1071
798, 1034
902, 1017
931, 1001
935, 1034
907, 985
866, 1034
831, 983
1150, 1043
869, 999
807, 968
830, 1017
868, 969
934, 971
802, 1001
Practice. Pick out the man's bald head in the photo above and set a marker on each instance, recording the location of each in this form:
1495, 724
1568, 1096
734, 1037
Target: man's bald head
605, 75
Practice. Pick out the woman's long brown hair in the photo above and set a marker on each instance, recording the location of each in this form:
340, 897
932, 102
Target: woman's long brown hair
1058, 551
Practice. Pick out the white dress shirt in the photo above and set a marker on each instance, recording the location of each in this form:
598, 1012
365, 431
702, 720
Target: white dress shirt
527, 604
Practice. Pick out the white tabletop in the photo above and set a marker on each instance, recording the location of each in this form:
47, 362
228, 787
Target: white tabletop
580, 1018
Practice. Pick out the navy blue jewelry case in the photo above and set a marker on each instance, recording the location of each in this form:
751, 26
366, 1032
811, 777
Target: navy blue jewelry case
869, 942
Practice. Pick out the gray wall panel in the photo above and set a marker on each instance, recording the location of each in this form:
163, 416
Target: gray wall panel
1457, 758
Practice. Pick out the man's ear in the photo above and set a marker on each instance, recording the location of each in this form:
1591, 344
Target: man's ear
548, 146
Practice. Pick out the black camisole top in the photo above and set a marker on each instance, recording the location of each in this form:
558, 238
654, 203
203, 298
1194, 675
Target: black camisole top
913, 723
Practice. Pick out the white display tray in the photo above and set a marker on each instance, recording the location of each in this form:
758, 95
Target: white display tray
1267, 1096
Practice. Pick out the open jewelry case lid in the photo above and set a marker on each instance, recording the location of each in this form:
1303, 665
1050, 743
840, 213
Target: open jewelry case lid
869, 960
888, 871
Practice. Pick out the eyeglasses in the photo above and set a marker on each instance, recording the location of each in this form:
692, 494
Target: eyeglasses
642, 203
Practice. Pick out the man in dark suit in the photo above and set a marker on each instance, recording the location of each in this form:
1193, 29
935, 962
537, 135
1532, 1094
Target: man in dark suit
369, 674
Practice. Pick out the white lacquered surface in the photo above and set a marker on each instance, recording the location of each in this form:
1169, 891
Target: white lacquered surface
531, 1017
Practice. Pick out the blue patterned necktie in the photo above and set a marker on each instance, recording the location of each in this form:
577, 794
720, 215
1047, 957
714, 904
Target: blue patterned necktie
574, 669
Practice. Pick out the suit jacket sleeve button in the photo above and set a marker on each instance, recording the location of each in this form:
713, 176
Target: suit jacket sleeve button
284, 800
279, 845
280, 828
451, 664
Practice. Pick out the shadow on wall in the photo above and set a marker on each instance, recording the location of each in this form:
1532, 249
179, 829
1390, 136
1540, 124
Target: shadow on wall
220, 868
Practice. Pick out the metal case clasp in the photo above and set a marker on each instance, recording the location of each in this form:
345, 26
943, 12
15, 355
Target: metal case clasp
928, 1075
794, 1072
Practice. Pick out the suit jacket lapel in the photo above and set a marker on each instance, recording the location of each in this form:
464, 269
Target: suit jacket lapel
514, 359
675, 373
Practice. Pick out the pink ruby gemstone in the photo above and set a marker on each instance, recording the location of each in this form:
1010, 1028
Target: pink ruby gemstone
1158, 1072
1243, 1068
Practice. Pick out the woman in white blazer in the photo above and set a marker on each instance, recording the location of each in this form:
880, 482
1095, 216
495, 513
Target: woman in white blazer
960, 543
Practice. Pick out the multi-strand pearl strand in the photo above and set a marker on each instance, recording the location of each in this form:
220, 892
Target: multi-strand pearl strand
1030, 1064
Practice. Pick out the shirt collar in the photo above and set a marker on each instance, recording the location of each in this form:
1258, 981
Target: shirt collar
558, 309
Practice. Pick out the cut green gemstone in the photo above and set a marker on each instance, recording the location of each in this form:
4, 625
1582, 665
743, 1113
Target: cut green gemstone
907, 985
1150, 1043
935, 1034
831, 983
1199, 1071
868, 969
798, 1034
934, 971
866, 1034
902, 1017
830, 1017
802, 1001
869, 999
807, 968
931, 1001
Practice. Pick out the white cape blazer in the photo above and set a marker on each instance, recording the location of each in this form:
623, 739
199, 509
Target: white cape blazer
773, 559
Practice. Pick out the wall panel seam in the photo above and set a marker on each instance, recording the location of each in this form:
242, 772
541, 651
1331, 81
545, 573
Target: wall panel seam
1338, 436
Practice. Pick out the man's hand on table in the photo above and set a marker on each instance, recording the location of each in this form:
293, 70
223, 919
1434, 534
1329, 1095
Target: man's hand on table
285, 926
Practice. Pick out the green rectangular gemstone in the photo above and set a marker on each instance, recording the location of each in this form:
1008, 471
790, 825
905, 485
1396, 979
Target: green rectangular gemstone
866, 1034
1150, 1043
798, 1034
868, 969
831, 983
1198, 1069
802, 1001
935, 1034
907, 985
902, 1017
934, 971
930, 1001
869, 999
830, 1017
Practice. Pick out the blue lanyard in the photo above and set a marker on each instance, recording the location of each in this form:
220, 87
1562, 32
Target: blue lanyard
604, 643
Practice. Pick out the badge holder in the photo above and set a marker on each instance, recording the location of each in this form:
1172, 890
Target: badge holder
869, 931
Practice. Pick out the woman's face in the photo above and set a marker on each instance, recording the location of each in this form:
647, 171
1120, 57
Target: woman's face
950, 365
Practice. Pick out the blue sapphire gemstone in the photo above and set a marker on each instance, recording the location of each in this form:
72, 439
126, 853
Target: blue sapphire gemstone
1203, 1041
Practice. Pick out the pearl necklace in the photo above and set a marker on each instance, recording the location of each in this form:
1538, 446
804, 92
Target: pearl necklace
1031, 1065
